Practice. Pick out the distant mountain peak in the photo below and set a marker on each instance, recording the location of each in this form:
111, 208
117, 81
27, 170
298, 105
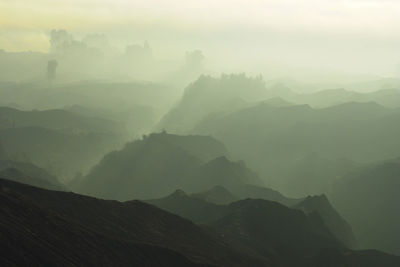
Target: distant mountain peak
217, 195
321, 197
178, 193
219, 188
220, 159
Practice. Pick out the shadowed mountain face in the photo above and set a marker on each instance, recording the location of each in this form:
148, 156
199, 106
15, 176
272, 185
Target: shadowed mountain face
220, 195
216, 195
204, 148
368, 198
287, 236
221, 171
198, 208
260, 192
300, 149
336, 224
190, 206
275, 230
160, 163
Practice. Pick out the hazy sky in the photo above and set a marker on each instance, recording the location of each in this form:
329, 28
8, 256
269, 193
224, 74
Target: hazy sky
320, 33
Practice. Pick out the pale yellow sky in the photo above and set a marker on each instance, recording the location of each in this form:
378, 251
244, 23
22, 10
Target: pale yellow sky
27, 21
367, 27
337, 13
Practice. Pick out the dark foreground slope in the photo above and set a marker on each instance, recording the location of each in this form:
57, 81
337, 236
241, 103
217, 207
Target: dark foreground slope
41, 227
32, 237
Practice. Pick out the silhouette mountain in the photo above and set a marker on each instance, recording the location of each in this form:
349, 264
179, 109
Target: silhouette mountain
221, 171
61, 153
210, 205
368, 198
221, 195
190, 206
203, 147
291, 143
208, 96
314, 174
216, 195
261, 192
159, 163
386, 97
336, 224
196, 206
199, 210
286, 236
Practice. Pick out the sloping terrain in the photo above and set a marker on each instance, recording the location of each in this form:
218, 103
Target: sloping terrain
59, 228
70, 229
